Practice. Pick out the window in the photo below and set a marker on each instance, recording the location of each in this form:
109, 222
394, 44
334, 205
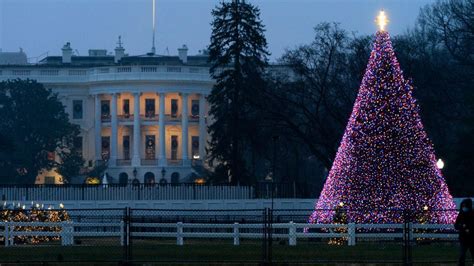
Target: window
123, 178
174, 108
195, 108
149, 107
195, 147
126, 147
150, 147
105, 108
149, 178
126, 108
77, 109
78, 145
174, 147
105, 148
175, 178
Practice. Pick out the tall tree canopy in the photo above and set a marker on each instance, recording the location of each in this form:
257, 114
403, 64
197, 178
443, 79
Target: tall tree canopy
238, 57
37, 128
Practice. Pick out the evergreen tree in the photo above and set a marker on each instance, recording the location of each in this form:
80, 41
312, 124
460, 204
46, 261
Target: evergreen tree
238, 57
385, 162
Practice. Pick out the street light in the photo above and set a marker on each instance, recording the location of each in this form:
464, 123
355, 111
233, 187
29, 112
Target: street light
440, 164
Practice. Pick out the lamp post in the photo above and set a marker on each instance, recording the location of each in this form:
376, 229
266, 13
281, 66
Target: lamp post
275, 138
440, 164
163, 173
134, 172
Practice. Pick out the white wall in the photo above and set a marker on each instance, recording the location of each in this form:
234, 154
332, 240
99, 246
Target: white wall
288, 204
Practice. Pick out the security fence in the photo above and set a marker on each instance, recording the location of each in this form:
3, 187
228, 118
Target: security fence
155, 191
215, 236
182, 191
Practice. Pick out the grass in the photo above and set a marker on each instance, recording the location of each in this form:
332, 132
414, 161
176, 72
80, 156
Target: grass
222, 251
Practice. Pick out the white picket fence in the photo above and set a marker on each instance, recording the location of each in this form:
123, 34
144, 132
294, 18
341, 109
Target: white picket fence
293, 231
129, 192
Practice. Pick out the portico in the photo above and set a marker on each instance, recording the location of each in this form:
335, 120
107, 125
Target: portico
163, 128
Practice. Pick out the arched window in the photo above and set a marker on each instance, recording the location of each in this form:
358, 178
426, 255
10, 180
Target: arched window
175, 178
149, 178
123, 178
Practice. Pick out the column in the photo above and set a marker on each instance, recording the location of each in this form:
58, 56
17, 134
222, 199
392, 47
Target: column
202, 127
162, 136
98, 129
184, 128
114, 131
136, 130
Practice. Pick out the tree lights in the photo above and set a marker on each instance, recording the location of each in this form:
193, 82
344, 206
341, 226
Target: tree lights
36, 213
385, 164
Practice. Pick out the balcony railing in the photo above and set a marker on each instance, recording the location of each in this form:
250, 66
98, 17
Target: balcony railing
149, 117
172, 118
127, 117
123, 162
105, 118
149, 162
175, 162
112, 73
155, 117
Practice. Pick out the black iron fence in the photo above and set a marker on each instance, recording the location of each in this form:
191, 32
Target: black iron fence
259, 236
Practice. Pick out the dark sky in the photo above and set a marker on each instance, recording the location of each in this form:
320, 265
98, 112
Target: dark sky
40, 26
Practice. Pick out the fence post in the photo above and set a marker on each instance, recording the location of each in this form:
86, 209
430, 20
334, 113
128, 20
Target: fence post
236, 234
7, 234
179, 233
11, 229
122, 233
351, 241
292, 234
66, 233
410, 232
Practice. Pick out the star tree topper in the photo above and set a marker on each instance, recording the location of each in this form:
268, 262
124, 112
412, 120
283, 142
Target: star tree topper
382, 20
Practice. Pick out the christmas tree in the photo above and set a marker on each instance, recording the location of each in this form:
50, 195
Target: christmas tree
385, 165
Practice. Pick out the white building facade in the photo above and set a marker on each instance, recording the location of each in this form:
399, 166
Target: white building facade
144, 116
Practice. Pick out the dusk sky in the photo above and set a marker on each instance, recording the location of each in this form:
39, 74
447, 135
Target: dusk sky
40, 26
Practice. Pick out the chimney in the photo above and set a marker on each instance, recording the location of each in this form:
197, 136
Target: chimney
119, 51
183, 54
67, 53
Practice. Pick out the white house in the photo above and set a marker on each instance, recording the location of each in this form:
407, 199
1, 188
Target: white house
145, 115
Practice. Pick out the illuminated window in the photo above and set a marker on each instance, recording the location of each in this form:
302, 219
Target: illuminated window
105, 108
174, 147
195, 147
150, 107
126, 108
195, 108
174, 107
126, 147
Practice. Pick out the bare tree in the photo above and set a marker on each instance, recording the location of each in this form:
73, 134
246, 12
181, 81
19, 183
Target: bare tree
312, 102
454, 21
